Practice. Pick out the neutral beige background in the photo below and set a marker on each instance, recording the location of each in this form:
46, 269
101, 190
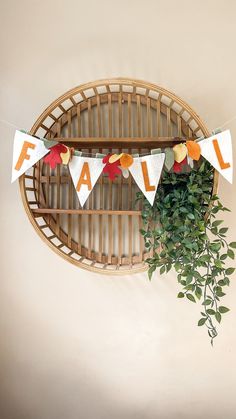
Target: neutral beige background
75, 344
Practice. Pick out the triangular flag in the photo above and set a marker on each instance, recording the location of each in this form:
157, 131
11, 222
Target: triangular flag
85, 172
27, 151
218, 151
146, 172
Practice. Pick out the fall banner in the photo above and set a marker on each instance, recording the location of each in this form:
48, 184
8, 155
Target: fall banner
145, 170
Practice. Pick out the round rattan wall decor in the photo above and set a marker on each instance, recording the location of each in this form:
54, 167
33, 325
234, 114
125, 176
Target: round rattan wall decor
104, 116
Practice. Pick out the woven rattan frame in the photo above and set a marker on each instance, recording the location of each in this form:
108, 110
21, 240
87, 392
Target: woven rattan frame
102, 116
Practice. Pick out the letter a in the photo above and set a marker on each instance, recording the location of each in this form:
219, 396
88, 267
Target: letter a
148, 187
85, 178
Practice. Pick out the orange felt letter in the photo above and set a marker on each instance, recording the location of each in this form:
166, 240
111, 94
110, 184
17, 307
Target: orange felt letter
85, 178
23, 154
223, 165
148, 187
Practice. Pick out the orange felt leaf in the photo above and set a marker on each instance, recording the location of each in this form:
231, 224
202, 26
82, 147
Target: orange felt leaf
126, 160
194, 149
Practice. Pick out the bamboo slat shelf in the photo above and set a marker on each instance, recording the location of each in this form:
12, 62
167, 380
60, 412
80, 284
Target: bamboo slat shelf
104, 116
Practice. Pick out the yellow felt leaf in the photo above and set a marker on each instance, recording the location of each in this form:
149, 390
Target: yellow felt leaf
180, 152
65, 157
115, 157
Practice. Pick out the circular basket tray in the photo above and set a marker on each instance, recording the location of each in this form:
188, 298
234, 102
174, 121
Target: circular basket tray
103, 116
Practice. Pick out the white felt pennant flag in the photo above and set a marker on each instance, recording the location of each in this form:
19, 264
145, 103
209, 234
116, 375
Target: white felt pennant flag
146, 172
27, 151
218, 151
85, 172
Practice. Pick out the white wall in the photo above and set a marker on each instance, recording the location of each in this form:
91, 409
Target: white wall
76, 344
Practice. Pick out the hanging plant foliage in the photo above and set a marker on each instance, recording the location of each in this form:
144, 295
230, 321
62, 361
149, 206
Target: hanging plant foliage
182, 233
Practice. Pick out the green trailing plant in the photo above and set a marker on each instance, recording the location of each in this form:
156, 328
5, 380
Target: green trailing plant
181, 232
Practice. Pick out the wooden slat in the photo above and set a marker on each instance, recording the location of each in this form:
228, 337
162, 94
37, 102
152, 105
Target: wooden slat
159, 123
109, 116
139, 121
99, 121
149, 123
130, 227
125, 140
78, 123
179, 125
79, 219
110, 224
58, 188
90, 224
70, 190
168, 122
101, 200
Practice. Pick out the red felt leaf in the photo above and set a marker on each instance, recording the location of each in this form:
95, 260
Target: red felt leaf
53, 157
111, 169
60, 148
106, 158
177, 167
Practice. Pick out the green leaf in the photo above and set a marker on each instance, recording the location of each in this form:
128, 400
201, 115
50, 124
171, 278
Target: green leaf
220, 294
202, 321
168, 267
162, 270
223, 309
218, 316
215, 247
207, 302
218, 263
217, 223
191, 298
202, 167
150, 271
198, 292
210, 311
180, 295
177, 266
222, 283
230, 253
189, 279
229, 271
233, 245
190, 216
223, 230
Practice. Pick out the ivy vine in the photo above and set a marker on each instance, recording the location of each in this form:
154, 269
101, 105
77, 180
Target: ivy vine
181, 232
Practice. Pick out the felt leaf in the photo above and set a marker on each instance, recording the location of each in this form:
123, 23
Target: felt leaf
190, 162
194, 149
169, 158
65, 156
106, 158
126, 160
53, 157
125, 173
114, 157
111, 169
178, 166
180, 152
